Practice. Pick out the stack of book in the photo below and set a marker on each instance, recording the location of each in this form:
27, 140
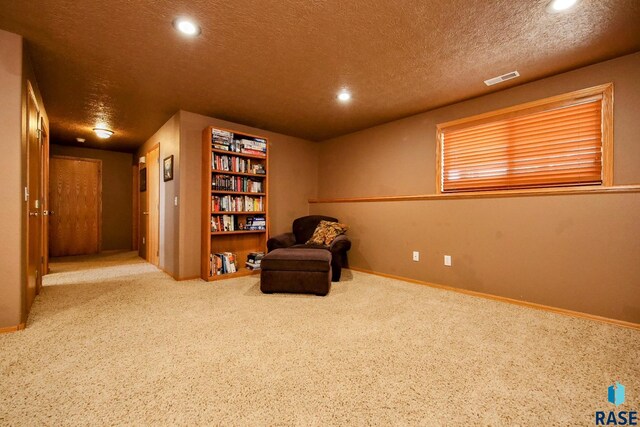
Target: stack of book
227, 141
222, 263
253, 260
255, 146
221, 139
256, 223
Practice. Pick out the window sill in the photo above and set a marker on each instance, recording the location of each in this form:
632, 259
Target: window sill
595, 189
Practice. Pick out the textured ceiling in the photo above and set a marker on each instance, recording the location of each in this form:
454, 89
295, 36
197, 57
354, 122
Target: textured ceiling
278, 64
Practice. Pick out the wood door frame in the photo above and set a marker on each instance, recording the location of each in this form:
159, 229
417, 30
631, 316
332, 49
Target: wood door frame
99, 162
44, 135
135, 232
154, 147
26, 304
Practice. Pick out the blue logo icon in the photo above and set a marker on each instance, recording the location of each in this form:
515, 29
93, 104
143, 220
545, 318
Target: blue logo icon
616, 394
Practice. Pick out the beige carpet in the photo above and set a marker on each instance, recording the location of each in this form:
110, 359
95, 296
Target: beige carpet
117, 342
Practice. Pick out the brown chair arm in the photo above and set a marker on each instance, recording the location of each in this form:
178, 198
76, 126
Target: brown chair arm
340, 244
281, 241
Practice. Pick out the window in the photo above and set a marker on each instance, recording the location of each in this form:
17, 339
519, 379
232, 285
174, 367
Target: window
565, 140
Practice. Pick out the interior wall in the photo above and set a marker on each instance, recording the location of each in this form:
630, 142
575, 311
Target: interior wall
168, 136
15, 71
293, 179
116, 193
575, 252
11, 250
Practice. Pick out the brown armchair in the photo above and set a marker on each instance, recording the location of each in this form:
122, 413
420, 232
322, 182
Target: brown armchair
303, 229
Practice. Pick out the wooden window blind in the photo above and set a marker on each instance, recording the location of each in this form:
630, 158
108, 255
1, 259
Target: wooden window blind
555, 142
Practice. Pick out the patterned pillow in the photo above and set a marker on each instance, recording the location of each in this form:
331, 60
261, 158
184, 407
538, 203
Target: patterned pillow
326, 232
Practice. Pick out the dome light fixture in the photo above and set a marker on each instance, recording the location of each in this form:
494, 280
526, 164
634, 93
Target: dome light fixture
187, 27
103, 133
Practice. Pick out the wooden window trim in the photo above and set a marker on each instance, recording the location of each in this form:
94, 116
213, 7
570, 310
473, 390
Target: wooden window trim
604, 91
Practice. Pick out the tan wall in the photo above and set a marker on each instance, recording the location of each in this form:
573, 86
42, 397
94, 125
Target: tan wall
116, 193
575, 252
168, 136
11, 249
292, 174
15, 71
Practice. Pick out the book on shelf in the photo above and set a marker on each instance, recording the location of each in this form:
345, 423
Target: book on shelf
236, 183
238, 143
255, 223
222, 263
221, 223
229, 203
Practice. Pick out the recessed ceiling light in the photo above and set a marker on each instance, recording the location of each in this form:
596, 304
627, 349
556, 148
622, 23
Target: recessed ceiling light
561, 5
80, 140
344, 96
186, 27
103, 133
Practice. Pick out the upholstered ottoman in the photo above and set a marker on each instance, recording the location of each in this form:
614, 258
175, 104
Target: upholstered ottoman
296, 270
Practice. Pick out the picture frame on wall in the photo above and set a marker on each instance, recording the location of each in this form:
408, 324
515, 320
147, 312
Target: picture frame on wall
143, 180
167, 168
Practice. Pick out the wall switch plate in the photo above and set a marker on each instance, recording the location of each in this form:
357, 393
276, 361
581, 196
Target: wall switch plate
447, 260
175, 201
416, 256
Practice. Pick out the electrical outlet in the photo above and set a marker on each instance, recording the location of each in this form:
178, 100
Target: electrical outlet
416, 256
175, 201
447, 260
143, 240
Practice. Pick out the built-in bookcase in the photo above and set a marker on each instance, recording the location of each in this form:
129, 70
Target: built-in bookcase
235, 219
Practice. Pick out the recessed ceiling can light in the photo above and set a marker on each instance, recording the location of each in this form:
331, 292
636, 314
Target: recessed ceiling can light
344, 96
186, 26
103, 133
561, 5
80, 140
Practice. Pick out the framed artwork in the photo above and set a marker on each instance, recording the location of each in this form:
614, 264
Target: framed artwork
167, 168
143, 180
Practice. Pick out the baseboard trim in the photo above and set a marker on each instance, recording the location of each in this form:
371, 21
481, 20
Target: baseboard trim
182, 279
8, 329
533, 305
179, 279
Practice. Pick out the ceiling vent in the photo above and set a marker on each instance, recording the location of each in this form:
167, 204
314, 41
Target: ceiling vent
502, 78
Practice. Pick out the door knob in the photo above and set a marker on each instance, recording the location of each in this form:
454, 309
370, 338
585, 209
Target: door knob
145, 213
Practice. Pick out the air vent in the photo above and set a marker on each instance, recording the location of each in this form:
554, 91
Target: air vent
502, 78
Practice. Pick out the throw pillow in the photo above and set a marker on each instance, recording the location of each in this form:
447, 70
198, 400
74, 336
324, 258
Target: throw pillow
326, 232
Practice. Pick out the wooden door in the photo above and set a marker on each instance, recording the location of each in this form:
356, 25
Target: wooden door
44, 158
34, 200
153, 206
75, 197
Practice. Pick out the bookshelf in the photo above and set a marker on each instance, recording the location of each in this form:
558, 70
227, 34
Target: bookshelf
235, 216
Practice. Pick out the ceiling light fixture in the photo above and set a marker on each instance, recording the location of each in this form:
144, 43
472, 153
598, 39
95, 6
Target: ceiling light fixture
80, 140
561, 5
187, 27
344, 96
103, 133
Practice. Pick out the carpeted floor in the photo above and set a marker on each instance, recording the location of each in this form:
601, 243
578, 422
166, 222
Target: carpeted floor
117, 342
